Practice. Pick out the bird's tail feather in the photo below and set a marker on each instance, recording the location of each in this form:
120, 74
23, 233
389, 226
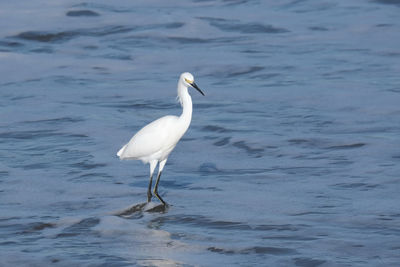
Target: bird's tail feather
121, 151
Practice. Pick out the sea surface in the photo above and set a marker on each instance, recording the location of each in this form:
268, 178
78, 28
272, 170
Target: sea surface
292, 157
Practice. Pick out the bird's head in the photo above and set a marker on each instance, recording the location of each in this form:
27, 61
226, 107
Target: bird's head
188, 80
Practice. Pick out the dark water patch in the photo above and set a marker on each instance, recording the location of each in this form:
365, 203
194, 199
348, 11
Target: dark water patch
367, 130
17, 98
252, 28
221, 250
256, 152
308, 262
46, 50
244, 71
198, 40
174, 184
212, 19
387, 2
86, 165
360, 186
105, 31
74, 206
269, 250
323, 144
138, 105
82, 13
235, 2
96, 175
46, 37
236, 71
209, 188
349, 146
222, 141
291, 238
279, 227
62, 36
24, 229
118, 56
210, 105
254, 250
36, 166
91, 47
307, 213
9, 219
38, 226
208, 167
11, 44
82, 227
105, 7
236, 172
266, 76
55, 121
318, 28
215, 128
7, 46
188, 40
37, 134
251, 51
384, 25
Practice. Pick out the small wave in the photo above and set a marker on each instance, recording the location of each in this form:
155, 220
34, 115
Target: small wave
247, 27
222, 142
215, 128
347, 146
256, 152
63, 36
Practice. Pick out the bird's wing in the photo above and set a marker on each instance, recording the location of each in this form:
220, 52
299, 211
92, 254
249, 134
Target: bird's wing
152, 138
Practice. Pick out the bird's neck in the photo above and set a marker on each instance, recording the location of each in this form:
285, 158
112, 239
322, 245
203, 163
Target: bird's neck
186, 102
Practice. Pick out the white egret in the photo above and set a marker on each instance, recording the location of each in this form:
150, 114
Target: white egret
155, 141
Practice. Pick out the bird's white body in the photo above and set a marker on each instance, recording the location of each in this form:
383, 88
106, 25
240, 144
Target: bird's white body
155, 141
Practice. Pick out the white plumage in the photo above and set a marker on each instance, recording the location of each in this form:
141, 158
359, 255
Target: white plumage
155, 141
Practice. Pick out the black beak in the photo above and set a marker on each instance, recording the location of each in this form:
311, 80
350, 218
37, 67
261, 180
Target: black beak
197, 88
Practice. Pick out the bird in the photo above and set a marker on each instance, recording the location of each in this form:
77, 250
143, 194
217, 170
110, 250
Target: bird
154, 142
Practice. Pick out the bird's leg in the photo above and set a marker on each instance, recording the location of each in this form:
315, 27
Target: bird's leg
156, 189
153, 165
149, 189
160, 168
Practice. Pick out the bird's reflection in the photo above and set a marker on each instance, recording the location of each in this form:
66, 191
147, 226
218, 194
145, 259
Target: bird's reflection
138, 209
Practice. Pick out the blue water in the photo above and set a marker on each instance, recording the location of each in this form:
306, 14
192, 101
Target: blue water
292, 158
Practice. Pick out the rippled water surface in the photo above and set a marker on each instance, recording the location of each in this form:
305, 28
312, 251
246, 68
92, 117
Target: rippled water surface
292, 158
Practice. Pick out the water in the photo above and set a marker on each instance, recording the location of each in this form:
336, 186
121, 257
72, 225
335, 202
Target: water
292, 158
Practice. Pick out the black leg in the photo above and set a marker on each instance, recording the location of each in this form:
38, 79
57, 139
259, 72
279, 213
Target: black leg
156, 189
149, 196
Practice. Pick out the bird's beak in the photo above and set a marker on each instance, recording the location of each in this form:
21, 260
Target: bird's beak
197, 88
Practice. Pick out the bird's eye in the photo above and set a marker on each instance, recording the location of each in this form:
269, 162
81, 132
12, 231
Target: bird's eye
188, 81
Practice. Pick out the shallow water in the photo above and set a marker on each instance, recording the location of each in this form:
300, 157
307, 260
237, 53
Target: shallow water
292, 158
